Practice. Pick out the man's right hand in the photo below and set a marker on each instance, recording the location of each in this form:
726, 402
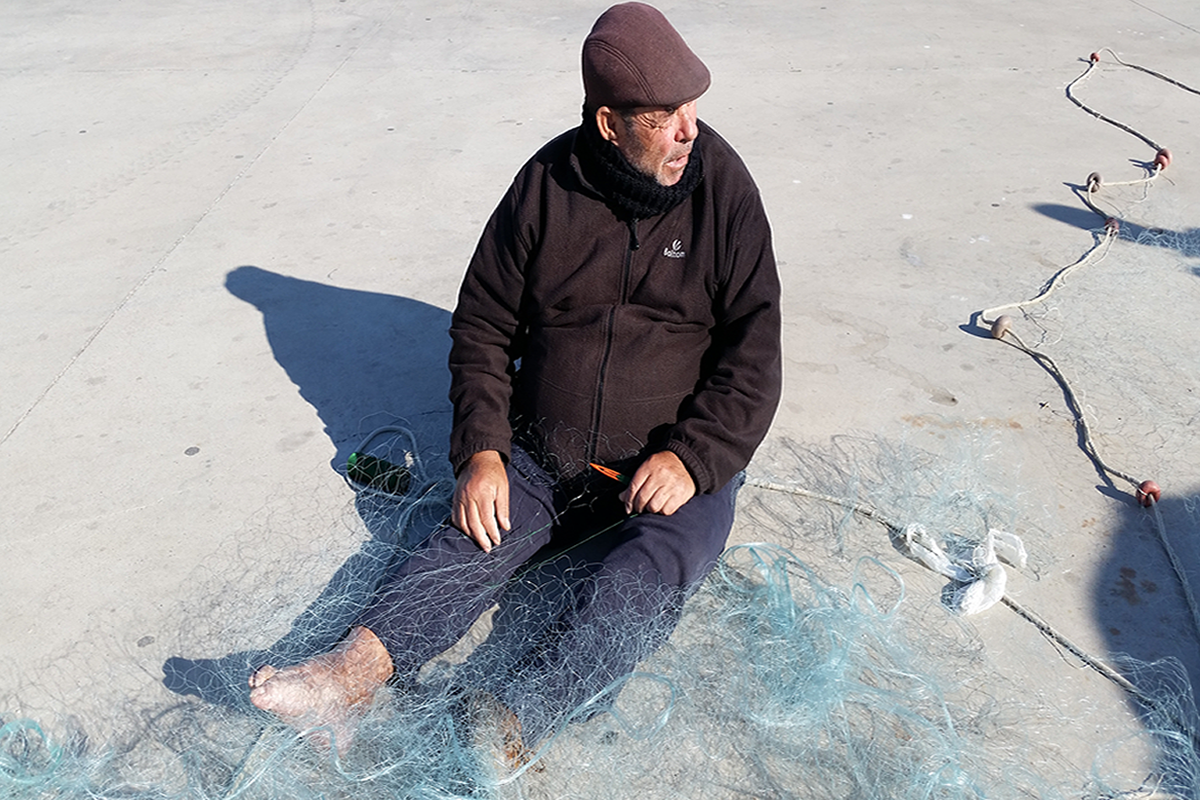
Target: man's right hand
481, 499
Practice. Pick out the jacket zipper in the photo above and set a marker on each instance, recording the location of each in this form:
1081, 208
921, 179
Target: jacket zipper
594, 435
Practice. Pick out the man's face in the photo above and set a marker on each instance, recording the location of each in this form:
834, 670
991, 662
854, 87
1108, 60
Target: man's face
658, 141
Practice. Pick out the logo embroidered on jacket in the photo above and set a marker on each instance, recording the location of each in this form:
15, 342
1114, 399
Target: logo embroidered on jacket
675, 250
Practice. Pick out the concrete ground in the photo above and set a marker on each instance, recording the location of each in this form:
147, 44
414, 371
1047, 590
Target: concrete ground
233, 233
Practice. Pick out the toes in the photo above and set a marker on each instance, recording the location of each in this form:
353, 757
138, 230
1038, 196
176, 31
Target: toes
269, 695
262, 698
262, 675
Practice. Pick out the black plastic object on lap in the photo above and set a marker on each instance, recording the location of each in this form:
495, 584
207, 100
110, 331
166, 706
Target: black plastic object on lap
375, 473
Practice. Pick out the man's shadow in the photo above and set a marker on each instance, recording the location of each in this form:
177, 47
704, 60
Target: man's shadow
355, 355
362, 359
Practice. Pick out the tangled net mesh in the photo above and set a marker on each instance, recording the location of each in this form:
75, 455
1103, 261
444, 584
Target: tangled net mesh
777, 682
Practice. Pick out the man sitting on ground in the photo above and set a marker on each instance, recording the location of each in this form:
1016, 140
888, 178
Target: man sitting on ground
621, 308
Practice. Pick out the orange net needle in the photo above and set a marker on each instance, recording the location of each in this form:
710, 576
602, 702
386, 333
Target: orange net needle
610, 473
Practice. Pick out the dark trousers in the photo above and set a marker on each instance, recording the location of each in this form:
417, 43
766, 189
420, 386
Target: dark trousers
584, 592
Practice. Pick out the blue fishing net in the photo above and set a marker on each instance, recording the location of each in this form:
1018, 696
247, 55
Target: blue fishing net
779, 680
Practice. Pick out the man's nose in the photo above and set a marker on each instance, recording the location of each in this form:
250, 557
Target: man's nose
688, 130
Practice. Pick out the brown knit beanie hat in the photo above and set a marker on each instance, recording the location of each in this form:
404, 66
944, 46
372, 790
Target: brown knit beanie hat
633, 57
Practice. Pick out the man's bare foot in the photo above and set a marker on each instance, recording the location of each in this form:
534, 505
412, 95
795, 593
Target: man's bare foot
331, 692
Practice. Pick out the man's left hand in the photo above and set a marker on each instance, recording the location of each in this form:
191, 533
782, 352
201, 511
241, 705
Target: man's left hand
661, 485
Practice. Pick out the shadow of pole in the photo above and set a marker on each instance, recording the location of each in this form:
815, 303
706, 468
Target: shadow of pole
1186, 241
1147, 625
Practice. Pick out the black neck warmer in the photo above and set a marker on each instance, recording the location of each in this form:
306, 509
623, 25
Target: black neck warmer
632, 194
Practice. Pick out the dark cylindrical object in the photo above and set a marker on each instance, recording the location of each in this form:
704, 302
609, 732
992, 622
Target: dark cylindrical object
375, 473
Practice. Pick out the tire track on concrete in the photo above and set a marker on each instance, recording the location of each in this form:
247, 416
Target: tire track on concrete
157, 267
1156, 12
274, 71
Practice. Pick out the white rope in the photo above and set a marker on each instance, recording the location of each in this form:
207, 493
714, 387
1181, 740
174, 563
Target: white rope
1092, 256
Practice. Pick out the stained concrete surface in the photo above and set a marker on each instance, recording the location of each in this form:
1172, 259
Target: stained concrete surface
233, 234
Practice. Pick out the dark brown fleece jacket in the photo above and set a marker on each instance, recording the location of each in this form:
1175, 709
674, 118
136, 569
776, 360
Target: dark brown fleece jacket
597, 339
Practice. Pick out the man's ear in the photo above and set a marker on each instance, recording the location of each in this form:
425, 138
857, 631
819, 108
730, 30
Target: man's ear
606, 122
